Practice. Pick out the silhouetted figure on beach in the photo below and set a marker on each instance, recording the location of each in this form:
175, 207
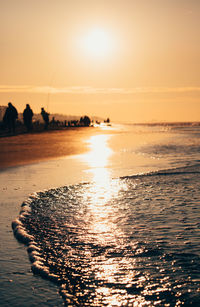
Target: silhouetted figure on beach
27, 117
45, 117
85, 121
10, 117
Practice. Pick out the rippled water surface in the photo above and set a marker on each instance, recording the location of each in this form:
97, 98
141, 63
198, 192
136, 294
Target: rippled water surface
129, 241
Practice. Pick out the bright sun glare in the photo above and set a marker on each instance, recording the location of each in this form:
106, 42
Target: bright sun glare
97, 42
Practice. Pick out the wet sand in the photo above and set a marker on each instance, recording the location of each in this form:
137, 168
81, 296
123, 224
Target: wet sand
35, 162
29, 163
36, 147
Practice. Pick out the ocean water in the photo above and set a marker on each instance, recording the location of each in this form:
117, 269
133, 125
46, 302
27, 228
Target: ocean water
131, 235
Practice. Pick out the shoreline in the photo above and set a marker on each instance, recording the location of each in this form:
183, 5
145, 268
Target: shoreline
18, 285
21, 175
28, 148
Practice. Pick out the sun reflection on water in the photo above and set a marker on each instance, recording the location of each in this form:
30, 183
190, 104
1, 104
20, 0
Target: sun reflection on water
103, 189
102, 218
113, 269
97, 160
99, 151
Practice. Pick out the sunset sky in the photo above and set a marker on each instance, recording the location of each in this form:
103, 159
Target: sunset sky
134, 61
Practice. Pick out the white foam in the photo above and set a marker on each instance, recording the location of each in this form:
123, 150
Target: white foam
22, 235
17, 225
35, 256
39, 268
33, 247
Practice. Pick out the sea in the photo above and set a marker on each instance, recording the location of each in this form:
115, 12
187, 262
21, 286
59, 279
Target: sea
130, 235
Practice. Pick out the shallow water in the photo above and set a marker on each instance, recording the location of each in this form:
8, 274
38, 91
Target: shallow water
129, 241
136, 240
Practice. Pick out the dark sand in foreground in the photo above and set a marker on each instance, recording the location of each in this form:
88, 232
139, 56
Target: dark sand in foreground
35, 147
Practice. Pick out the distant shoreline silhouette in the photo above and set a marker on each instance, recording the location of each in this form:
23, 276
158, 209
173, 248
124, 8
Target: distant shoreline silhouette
14, 123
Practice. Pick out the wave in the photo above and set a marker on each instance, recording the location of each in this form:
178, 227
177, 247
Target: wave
139, 244
186, 170
21, 233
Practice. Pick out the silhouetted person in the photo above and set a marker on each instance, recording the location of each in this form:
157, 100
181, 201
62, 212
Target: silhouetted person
10, 117
45, 117
85, 121
27, 117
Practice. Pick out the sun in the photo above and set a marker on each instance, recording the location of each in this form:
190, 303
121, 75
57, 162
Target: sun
97, 43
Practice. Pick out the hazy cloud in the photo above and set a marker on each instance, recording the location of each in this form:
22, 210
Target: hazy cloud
93, 90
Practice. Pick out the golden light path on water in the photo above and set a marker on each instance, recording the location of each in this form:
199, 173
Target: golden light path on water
103, 188
103, 223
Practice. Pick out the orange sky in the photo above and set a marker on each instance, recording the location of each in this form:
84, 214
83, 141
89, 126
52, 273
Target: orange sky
148, 69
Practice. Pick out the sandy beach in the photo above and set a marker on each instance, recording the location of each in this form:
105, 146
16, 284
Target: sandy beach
109, 186
99, 153
29, 148
30, 163
40, 161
